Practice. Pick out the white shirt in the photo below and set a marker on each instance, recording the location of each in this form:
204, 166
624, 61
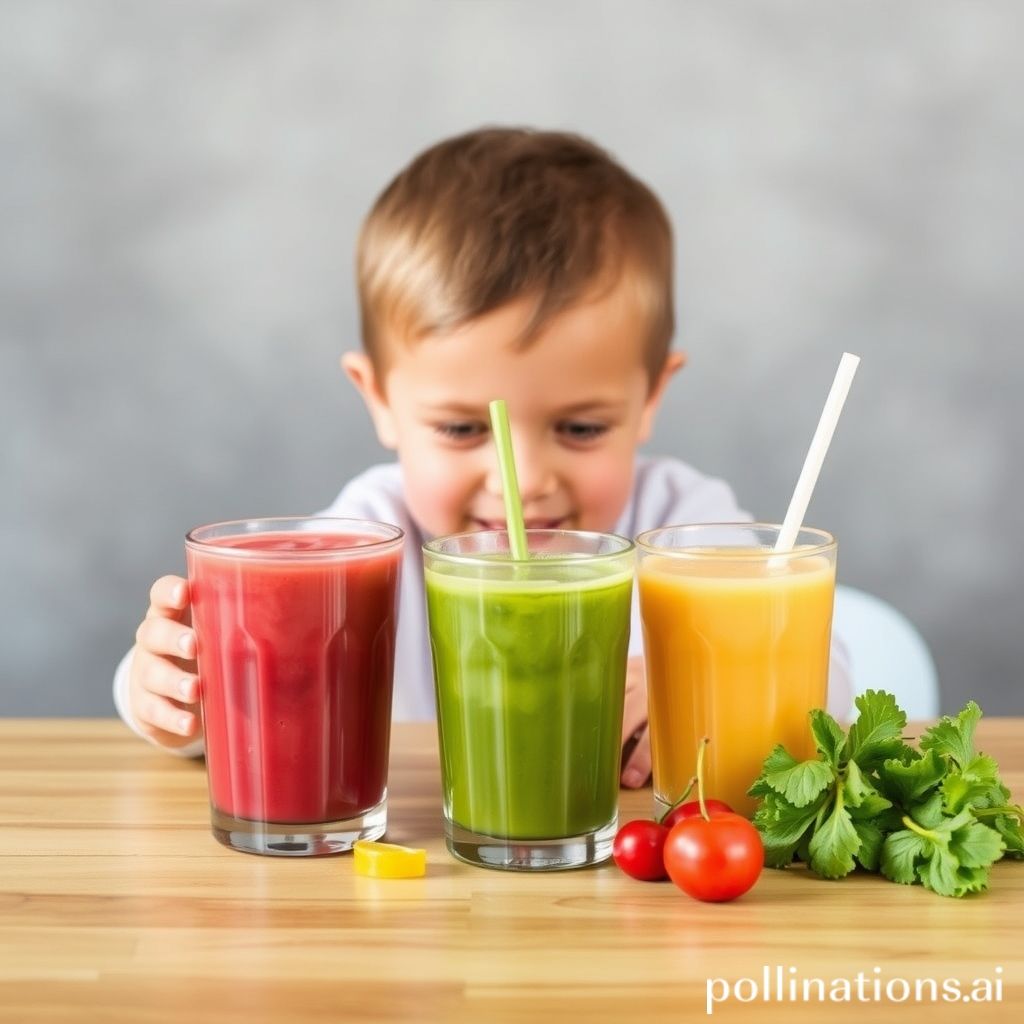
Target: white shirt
665, 492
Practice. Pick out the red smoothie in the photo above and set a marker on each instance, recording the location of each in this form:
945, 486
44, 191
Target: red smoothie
296, 641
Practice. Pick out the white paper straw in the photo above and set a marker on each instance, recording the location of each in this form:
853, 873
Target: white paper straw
816, 453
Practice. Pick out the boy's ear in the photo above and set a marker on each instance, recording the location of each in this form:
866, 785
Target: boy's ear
360, 370
673, 364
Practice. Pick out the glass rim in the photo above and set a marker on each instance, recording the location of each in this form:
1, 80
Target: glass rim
372, 546
565, 559
646, 543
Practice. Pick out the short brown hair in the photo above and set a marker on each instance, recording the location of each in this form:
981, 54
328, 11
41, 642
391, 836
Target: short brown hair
484, 218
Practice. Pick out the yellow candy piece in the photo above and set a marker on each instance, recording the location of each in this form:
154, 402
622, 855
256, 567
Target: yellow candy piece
386, 860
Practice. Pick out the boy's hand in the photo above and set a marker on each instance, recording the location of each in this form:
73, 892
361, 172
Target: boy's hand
637, 767
163, 687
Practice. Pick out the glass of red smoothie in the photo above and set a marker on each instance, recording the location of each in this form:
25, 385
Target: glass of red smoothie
295, 627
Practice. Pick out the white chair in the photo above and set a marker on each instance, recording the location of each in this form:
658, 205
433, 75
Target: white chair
886, 652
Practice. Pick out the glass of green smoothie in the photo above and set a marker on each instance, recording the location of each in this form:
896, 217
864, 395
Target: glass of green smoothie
529, 668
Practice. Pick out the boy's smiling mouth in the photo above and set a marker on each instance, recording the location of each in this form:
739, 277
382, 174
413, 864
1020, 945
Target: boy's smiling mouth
531, 523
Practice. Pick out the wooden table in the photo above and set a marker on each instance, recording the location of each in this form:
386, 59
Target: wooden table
116, 904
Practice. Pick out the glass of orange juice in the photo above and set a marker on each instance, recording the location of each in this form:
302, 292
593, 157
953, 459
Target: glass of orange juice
736, 642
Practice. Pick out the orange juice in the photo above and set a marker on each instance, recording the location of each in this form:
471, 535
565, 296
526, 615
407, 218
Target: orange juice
737, 649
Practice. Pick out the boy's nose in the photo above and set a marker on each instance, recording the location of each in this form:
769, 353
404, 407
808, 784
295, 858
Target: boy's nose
535, 482
536, 479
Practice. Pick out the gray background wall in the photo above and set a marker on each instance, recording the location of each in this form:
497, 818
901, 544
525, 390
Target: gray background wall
180, 188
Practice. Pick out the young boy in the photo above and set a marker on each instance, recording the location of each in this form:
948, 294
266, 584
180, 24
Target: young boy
510, 264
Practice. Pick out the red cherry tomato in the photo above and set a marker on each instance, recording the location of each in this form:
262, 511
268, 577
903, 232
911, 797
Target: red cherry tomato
691, 809
638, 849
714, 860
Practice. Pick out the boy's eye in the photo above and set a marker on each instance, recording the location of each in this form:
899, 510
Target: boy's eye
579, 431
461, 431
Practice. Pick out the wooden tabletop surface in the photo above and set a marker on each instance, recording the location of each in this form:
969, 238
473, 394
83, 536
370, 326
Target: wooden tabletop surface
117, 904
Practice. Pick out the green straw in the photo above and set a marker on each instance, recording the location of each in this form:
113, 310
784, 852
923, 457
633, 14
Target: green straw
509, 483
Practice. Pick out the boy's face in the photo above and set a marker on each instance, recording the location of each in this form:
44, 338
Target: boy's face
579, 403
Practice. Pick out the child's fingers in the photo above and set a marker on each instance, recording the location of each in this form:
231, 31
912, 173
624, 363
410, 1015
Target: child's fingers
168, 597
161, 713
636, 743
163, 677
634, 711
167, 637
166, 719
638, 766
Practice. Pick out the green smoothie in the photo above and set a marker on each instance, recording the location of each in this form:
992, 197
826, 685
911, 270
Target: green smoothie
529, 675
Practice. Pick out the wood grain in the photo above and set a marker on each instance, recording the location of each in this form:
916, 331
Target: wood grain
116, 904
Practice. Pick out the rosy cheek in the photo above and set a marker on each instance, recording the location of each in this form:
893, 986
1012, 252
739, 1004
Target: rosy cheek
602, 496
438, 494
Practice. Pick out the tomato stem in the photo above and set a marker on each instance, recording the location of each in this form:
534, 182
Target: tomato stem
700, 777
686, 793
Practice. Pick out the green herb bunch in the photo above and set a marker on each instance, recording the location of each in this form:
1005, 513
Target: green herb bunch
939, 815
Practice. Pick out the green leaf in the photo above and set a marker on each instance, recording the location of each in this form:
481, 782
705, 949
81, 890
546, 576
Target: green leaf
875, 808
928, 814
759, 787
802, 782
782, 827
906, 754
938, 872
1012, 833
777, 852
875, 735
976, 785
954, 856
781, 823
871, 839
803, 851
779, 856
907, 784
829, 737
954, 737
834, 843
982, 768
975, 845
859, 795
778, 760
970, 880
947, 826
940, 817
900, 853
890, 820
1004, 795
942, 874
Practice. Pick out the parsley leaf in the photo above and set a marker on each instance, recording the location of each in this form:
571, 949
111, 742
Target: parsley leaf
777, 761
907, 783
834, 843
900, 852
954, 737
801, 782
939, 817
954, 852
929, 813
860, 795
975, 845
829, 737
949, 859
1009, 827
871, 838
876, 735
783, 826
976, 783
